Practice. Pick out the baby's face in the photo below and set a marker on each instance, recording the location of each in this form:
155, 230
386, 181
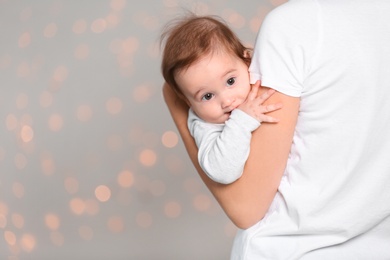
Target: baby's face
215, 85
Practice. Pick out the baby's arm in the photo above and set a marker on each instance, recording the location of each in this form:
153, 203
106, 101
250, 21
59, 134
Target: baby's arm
223, 149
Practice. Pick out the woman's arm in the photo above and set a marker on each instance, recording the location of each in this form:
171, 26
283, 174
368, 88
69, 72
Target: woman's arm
247, 200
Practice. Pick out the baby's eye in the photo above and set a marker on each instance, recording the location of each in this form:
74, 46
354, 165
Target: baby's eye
231, 81
207, 96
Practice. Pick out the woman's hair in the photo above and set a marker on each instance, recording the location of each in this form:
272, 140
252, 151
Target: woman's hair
191, 38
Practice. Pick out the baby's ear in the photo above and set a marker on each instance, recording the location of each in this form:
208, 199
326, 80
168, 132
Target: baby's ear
248, 53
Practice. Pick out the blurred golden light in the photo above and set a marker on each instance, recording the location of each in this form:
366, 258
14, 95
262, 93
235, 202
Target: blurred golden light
125, 179
144, 219
18, 189
3, 208
99, 25
24, 40
84, 113
28, 242
3, 221
45, 99
91, 207
115, 224
11, 122
23, 69
102, 193
20, 161
112, 20
170, 3
130, 45
201, 202
47, 164
169, 139
114, 142
52, 221
148, 157
114, 105
118, 5
77, 206
71, 185
234, 18
27, 133
172, 209
82, 51
50, 30
79, 26
60, 74
21, 101
56, 122
57, 238
10, 237
86, 232
157, 187
17, 220
142, 93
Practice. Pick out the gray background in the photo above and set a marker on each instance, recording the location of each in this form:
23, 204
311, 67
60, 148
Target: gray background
90, 162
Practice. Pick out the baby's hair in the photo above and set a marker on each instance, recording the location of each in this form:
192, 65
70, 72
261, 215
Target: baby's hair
190, 38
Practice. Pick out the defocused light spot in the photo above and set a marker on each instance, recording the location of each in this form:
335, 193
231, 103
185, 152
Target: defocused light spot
144, 219
230, 229
157, 187
10, 237
26, 133
172, 209
3, 209
50, 30
28, 242
20, 161
112, 20
77, 206
21, 101
71, 185
45, 99
170, 3
52, 221
11, 122
79, 26
99, 25
130, 45
60, 74
118, 5
170, 139
17, 220
102, 193
125, 179
84, 113
3, 221
142, 93
57, 238
47, 164
91, 207
254, 24
115, 224
81, 52
114, 142
114, 105
24, 40
148, 157
86, 232
202, 202
234, 18
23, 70
56, 122
18, 189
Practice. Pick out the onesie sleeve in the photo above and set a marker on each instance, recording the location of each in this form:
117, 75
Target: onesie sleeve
286, 47
223, 148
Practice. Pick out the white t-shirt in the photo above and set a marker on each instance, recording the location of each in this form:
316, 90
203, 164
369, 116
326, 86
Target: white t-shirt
223, 148
333, 201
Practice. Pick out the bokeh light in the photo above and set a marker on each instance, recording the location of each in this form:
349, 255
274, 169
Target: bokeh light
102, 193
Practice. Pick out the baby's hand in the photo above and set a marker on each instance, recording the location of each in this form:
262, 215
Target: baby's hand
254, 107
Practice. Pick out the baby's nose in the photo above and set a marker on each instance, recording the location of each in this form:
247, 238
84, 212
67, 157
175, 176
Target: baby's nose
227, 101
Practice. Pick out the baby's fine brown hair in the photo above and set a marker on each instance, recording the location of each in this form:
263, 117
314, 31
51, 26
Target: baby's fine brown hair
191, 38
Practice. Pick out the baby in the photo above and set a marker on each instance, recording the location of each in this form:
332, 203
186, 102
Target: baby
207, 66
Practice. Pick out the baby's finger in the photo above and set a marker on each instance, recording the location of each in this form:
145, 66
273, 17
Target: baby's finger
266, 95
268, 119
253, 93
271, 107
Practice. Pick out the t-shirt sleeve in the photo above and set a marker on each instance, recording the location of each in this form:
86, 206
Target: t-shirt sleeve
286, 47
